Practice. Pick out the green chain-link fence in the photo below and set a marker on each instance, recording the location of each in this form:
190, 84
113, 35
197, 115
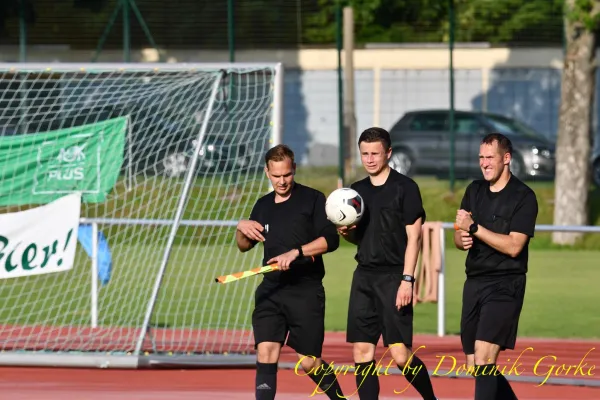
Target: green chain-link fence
232, 26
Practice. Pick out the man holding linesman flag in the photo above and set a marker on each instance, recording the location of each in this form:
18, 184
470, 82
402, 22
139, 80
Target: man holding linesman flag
295, 232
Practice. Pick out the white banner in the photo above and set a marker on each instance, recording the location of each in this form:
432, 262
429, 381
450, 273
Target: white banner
41, 240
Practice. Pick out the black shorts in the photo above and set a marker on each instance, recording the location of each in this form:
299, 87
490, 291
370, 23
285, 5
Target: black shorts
293, 312
372, 310
490, 311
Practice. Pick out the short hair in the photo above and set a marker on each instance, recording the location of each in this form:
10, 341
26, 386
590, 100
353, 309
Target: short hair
504, 143
279, 153
375, 134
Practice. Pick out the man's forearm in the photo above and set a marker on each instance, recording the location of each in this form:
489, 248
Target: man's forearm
413, 246
503, 243
316, 247
243, 243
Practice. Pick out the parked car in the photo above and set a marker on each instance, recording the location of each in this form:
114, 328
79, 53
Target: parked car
165, 146
421, 144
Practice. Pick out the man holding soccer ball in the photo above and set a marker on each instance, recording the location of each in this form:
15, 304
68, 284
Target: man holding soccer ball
388, 236
291, 223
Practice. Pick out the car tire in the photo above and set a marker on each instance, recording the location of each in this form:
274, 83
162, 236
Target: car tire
402, 161
174, 165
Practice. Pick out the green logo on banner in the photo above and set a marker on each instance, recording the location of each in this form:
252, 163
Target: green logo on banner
40, 167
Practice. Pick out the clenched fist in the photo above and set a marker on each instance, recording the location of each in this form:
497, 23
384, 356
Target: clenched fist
463, 220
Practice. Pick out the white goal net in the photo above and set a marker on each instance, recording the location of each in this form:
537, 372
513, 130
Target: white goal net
167, 158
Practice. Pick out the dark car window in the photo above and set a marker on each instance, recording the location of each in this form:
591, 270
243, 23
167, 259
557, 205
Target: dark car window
465, 125
509, 126
428, 122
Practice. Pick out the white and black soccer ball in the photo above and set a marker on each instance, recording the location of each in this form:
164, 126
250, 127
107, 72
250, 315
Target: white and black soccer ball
344, 207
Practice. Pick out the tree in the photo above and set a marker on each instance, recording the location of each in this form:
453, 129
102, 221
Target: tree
576, 110
92, 5
498, 21
509, 21
14, 9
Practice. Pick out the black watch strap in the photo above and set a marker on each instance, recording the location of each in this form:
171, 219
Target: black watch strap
408, 278
300, 252
473, 228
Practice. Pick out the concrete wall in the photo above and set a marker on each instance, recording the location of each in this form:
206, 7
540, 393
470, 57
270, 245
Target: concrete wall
522, 83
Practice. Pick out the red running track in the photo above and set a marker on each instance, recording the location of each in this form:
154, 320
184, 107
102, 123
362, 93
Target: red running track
559, 360
57, 384
54, 384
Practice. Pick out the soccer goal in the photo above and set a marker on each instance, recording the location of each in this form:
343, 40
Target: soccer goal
168, 158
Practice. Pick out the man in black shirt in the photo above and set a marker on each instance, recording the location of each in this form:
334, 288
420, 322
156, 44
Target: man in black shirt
388, 237
291, 223
495, 224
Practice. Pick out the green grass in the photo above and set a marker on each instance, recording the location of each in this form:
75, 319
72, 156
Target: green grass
211, 198
189, 297
561, 300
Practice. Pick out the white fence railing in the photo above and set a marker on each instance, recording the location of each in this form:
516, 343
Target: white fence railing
441, 301
441, 305
94, 222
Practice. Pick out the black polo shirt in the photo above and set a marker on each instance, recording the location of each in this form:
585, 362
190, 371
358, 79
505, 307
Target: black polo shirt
293, 223
382, 230
513, 209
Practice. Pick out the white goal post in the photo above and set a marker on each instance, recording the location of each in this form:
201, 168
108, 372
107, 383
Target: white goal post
177, 161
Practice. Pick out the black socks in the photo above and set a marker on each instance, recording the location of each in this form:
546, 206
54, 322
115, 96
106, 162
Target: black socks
418, 377
486, 381
266, 381
505, 391
367, 381
327, 381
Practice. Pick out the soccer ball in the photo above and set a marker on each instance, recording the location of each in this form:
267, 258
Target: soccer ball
344, 207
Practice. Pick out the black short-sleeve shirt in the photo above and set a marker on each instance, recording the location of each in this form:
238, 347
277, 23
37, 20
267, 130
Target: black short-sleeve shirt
293, 223
381, 232
513, 209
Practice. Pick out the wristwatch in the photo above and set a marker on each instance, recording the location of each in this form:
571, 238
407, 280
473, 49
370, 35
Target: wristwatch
408, 278
300, 252
473, 228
